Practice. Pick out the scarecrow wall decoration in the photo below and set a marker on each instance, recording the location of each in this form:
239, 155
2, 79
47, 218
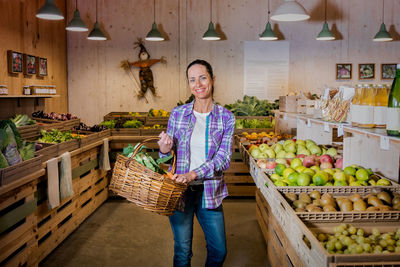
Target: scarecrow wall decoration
145, 74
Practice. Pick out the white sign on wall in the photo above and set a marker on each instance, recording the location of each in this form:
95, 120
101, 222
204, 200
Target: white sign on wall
266, 69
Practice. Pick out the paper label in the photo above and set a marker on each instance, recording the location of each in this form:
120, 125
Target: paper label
340, 131
380, 115
326, 127
393, 119
365, 114
385, 143
309, 123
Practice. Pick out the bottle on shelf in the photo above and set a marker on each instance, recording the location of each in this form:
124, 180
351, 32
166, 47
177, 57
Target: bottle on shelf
381, 102
366, 109
355, 104
393, 111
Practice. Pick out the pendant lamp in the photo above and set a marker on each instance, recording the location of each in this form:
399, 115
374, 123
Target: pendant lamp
76, 24
290, 10
383, 35
49, 11
211, 34
325, 34
268, 34
96, 34
154, 34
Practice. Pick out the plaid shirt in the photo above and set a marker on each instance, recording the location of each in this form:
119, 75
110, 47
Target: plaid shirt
221, 127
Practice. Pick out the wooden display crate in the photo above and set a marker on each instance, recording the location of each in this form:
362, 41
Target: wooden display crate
288, 103
48, 151
17, 224
305, 106
152, 120
151, 132
66, 146
29, 132
92, 137
237, 177
18, 171
126, 116
46, 124
125, 132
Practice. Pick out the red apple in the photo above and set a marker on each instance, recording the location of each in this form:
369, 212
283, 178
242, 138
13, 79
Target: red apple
325, 165
308, 161
300, 156
271, 164
325, 158
339, 163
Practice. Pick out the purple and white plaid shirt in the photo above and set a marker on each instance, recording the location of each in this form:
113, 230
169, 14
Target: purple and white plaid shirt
220, 131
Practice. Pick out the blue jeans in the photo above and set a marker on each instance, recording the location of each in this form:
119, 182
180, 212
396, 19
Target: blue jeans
212, 223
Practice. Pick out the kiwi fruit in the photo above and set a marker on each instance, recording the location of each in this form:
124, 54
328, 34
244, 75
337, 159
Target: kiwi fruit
299, 204
355, 197
384, 196
329, 208
374, 201
347, 205
359, 205
305, 197
315, 194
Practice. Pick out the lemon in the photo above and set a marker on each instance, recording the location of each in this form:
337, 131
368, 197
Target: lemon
383, 182
362, 175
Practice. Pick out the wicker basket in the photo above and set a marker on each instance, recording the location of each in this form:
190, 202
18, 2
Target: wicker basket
144, 187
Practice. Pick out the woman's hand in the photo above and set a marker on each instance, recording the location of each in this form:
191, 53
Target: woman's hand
184, 178
165, 143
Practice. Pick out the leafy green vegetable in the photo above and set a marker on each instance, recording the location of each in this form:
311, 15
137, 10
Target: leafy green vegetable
3, 139
27, 151
22, 120
132, 124
56, 136
143, 158
253, 123
3, 161
109, 124
252, 106
16, 135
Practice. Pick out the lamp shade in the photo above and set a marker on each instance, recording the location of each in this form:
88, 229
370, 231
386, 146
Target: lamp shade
96, 33
325, 34
290, 10
383, 35
76, 24
211, 34
49, 11
268, 34
154, 34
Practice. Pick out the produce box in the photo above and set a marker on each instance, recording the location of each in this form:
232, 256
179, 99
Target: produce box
151, 132
47, 124
69, 124
151, 120
48, 151
69, 145
29, 131
126, 115
305, 106
256, 130
288, 103
91, 137
125, 131
18, 171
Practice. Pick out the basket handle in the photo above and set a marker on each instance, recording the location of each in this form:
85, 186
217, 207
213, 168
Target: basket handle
146, 141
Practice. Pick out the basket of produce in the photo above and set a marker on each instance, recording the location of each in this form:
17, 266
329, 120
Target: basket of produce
140, 179
157, 116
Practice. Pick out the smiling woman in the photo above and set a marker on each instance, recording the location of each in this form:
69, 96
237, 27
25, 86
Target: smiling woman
201, 133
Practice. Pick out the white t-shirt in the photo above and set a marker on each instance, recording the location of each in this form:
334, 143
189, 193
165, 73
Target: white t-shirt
198, 141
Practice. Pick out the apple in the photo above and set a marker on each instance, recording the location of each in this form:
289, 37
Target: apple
255, 153
314, 149
290, 155
325, 165
287, 142
263, 147
308, 161
270, 153
340, 176
339, 163
300, 142
280, 161
331, 152
296, 162
278, 147
325, 158
271, 164
291, 147
281, 154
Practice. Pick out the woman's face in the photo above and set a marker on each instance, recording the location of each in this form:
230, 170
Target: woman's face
200, 82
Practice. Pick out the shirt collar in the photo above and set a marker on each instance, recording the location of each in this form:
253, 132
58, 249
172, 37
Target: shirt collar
189, 109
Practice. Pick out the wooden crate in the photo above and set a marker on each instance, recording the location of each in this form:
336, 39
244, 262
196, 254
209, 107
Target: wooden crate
238, 179
18, 171
69, 145
125, 132
151, 132
126, 116
17, 225
152, 120
48, 151
305, 106
46, 124
92, 137
288, 103
69, 124
29, 132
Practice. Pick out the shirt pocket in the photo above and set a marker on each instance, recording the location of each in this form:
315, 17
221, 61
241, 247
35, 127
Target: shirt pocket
216, 136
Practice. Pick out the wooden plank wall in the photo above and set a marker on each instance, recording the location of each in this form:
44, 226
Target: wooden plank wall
21, 31
94, 74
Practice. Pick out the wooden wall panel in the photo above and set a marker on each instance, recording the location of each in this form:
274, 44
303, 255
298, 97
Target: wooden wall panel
98, 86
21, 31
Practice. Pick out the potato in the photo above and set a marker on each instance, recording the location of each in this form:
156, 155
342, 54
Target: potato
384, 196
309, 207
359, 205
316, 209
355, 197
315, 194
328, 201
317, 202
374, 201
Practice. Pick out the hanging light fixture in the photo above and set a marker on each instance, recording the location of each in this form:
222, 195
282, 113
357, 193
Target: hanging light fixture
49, 11
290, 10
211, 34
268, 34
154, 34
96, 33
383, 35
325, 34
76, 24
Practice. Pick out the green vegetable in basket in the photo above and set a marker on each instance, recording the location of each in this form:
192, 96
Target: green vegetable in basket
144, 158
3, 161
132, 124
56, 136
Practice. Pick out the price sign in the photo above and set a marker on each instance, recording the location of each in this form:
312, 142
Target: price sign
309, 123
385, 143
340, 131
326, 127
285, 117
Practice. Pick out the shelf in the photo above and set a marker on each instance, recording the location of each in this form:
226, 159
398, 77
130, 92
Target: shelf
375, 132
28, 96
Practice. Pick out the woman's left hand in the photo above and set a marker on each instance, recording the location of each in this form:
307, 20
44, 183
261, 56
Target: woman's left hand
184, 178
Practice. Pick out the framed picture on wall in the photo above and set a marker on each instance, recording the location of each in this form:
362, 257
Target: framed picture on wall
388, 71
343, 71
366, 71
29, 64
14, 61
41, 66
